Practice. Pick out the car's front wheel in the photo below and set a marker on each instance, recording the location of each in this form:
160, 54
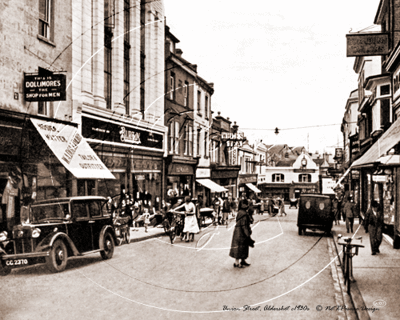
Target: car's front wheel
57, 259
108, 244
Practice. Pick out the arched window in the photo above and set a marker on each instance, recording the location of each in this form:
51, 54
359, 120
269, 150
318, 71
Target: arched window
278, 177
304, 177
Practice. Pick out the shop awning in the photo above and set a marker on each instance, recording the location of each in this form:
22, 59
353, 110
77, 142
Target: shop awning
387, 141
72, 150
211, 185
253, 188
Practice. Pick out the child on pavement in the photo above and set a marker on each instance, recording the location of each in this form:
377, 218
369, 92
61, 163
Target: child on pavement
146, 217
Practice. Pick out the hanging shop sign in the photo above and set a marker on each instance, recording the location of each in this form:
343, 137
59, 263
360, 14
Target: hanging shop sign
108, 131
50, 87
367, 44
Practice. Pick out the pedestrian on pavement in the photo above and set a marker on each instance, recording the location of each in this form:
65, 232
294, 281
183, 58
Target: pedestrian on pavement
373, 224
226, 210
191, 227
216, 208
349, 212
241, 237
282, 207
146, 218
335, 211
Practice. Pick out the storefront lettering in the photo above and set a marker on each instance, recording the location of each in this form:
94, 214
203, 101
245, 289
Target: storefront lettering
87, 157
182, 169
94, 166
129, 136
53, 137
71, 149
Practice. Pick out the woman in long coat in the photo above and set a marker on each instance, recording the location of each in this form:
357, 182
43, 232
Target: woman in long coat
241, 236
373, 224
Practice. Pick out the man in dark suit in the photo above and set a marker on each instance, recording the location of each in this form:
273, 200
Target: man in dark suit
373, 224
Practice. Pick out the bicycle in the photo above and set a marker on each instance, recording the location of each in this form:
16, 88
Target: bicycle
173, 225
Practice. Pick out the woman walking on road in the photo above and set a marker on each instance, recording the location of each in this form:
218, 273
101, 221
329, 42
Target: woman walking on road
241, 239
373, 224
191, 226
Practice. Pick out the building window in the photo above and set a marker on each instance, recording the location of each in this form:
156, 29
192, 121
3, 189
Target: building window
198, 102
127, 22
205, 144
186, 140
176, 137
198, 141
385, 90
278, 177
248, 165
185, 94
190, 140
107, 66
43, 108
385, 114
304, 177
206, 107
45, 18
172, 86
171, 137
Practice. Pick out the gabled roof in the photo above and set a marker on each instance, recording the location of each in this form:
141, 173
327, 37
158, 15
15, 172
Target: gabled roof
276, 148
285, 163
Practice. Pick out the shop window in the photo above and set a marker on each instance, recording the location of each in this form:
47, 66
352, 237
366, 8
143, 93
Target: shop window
304, 177
278, 177
86, 187
179, 186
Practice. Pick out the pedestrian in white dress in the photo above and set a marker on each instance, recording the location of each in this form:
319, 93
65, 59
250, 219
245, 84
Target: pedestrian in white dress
191, 226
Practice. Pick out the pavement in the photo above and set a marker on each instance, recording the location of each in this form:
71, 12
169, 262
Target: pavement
376, 291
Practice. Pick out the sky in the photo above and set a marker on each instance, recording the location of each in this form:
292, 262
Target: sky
275, 63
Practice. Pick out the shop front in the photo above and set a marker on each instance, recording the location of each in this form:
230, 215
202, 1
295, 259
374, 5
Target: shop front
227, 177
47, 160
134, 156
246, 184
180, 180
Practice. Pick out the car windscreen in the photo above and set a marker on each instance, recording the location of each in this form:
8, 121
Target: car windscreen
44, 212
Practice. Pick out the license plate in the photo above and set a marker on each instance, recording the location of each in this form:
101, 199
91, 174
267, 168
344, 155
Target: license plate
16, 262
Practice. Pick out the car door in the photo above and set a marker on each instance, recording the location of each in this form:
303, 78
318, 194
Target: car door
97, 220
80, 230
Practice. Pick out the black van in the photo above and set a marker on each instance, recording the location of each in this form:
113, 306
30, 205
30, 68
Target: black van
315, 213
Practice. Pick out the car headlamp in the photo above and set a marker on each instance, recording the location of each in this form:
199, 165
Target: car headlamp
36, 233
3, 236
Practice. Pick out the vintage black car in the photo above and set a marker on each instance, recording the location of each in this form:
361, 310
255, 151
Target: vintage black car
50, 231
315, 213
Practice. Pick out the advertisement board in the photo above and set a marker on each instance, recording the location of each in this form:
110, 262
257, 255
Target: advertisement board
327, 186
367, 44
50, 87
